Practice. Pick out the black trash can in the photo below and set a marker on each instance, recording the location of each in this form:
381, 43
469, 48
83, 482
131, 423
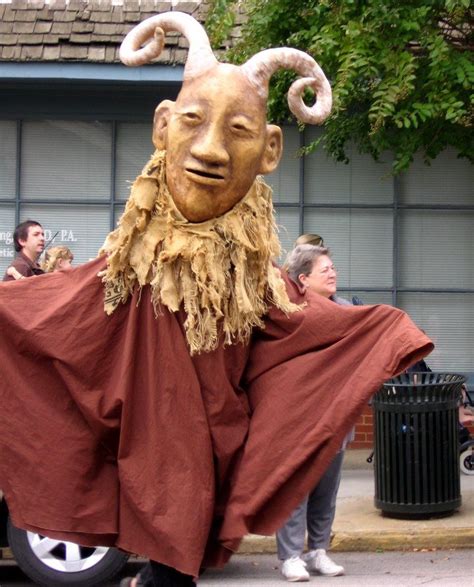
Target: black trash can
416, 444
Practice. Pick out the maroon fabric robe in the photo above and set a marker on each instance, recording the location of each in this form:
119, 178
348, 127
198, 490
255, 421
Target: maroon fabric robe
110, 433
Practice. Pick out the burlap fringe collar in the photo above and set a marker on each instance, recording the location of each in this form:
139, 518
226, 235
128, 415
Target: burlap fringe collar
221, 270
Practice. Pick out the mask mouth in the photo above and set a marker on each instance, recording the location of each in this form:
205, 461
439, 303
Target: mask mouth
204, 174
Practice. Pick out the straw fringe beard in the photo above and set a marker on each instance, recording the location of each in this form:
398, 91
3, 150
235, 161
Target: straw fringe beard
220, 270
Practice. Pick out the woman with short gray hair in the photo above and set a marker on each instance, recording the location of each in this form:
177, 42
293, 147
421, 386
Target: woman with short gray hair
300, 260
311, 268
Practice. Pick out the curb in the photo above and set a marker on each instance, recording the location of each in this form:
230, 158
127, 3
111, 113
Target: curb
439, 538
434, 538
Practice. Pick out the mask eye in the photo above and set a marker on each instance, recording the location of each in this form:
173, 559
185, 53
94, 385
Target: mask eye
191, 117
241, 127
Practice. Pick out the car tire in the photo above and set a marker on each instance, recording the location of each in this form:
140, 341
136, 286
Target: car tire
56, 563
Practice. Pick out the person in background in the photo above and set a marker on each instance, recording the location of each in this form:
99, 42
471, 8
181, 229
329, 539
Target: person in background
57, 259
12, 272
311, 268
317, 241
306, 239
28, 240
310, 239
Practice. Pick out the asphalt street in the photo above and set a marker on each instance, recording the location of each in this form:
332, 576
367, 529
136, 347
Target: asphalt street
443, 568
439, 568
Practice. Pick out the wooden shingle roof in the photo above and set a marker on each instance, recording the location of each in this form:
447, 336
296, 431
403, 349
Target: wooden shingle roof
83, 30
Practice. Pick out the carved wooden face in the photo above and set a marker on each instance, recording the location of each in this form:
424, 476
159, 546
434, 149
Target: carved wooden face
217, 142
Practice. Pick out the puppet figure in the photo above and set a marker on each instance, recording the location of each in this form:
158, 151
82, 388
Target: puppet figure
210, 395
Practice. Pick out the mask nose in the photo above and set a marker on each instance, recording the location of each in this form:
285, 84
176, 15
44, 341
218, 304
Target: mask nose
210, 146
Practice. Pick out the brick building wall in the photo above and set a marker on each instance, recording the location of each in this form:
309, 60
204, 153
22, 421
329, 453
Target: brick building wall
364, 430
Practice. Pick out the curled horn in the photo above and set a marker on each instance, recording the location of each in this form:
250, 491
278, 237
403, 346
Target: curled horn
153, 29
263, 65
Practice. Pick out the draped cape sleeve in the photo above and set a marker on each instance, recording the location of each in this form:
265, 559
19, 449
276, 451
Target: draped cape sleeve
308, 379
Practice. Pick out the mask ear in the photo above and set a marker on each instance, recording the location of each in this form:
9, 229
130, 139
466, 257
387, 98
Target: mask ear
273, 149
160, 123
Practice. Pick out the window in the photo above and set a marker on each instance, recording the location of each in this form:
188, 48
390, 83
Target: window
63, 159
82, 228
361, 242
134, 149
449, 320
437, 249
8, 159
7, 226
362, 181
285, 179
447, 181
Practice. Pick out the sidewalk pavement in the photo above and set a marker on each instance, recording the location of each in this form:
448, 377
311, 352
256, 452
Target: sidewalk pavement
359, 526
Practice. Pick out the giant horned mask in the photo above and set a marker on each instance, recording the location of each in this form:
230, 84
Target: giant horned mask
215, 135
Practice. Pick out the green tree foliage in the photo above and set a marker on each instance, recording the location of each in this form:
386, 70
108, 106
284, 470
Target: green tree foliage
401, 70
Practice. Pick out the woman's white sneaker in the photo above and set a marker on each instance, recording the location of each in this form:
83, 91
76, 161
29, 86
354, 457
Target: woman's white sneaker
294, 569
317, 561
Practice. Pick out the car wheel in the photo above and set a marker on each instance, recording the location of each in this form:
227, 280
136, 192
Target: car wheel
55, 563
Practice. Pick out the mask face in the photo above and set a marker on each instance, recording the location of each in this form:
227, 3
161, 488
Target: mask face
217, 142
